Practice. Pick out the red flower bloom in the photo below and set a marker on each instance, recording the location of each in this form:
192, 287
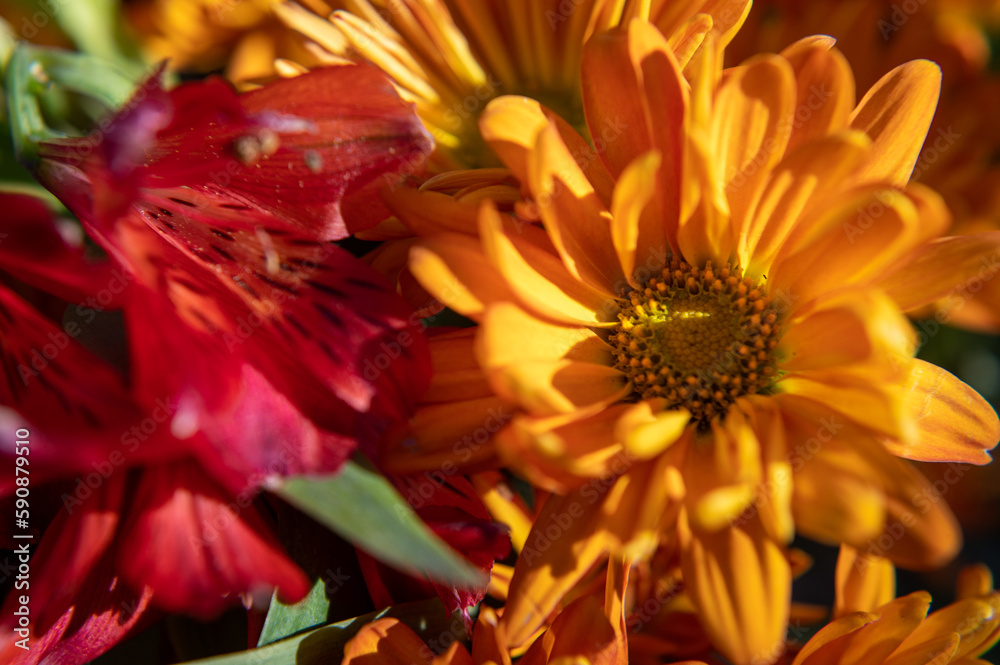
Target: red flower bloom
256, 347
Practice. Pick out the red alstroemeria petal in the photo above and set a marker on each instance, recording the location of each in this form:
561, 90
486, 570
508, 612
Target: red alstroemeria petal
106, 612
294, 148
35, 250
198, 549
254, 288
65, 396
265, 435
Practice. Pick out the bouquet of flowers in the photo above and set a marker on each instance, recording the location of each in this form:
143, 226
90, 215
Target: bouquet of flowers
395, 332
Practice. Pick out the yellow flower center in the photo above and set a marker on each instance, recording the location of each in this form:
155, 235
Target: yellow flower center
698, 338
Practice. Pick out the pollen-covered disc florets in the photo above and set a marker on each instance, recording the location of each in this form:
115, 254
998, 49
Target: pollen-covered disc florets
698, 338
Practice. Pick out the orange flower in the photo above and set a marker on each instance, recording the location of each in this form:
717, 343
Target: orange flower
704, 341
451, 57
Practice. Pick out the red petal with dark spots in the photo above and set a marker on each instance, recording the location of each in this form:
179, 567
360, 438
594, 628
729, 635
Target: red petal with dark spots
294, 148
197, 548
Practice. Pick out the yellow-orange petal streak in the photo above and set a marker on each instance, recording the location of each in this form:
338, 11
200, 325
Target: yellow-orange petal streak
825, 89
455, 270
753, 118
953, 269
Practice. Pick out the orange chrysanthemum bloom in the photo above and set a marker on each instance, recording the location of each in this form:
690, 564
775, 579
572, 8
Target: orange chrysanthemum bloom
704, 341
959, 158
451, 57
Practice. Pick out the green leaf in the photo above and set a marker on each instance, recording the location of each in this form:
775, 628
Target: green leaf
324, 645
362, 506
284, 620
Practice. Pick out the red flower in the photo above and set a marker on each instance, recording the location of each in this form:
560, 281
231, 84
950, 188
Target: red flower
256, 347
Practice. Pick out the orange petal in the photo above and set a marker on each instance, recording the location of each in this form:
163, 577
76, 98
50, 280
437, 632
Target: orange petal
511, 125
815, 171
564, 545
856, 327
387, 642
866, 233
740, 582
752, 122
546, 388
823, 648
897, 113
825, 89
538, 277
863, 582
956, 423
646, 432
427, 213
950, 268
454, 269
636, 221
559, 453
488, 643
450, 435
611, 86
510, 335
457, 375
576, 220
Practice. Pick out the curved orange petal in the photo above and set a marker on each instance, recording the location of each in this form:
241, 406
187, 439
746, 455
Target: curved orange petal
511, 125
866, 234
863, 582
854, 327
953, 269
896, 113
387, 642
752, 122
825, 93
813, 172
538, 277
637, 229
455, 270
576, 220
956, 423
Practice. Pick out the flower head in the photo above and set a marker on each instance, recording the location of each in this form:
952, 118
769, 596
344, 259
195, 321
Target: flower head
452, 57
707, 296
